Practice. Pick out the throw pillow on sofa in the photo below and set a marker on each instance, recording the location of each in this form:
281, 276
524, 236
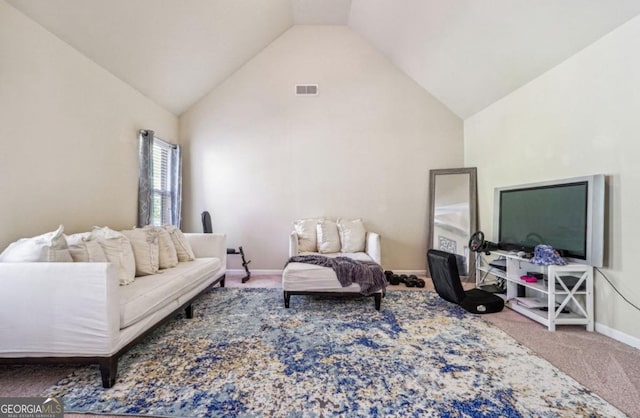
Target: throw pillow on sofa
352, 235
183, 248
118, 250
144, 243
75, 239
88, 252
49, 247
83, 250
328, 237
168, 256
306, 229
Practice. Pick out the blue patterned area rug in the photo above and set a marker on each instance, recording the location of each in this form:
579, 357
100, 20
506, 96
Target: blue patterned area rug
243, 354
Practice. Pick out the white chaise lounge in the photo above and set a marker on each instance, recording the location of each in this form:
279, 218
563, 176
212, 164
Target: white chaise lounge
353, 242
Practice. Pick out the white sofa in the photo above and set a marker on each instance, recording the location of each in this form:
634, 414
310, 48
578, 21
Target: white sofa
78, 313
310, 279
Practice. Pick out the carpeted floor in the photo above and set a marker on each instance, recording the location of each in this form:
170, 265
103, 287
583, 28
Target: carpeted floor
244, 354
606, 366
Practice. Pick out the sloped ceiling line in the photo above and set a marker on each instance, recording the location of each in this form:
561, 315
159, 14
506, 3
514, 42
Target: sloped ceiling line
467, 53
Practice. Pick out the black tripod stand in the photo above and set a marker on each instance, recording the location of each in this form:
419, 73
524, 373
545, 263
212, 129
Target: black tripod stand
207, 229
245, 263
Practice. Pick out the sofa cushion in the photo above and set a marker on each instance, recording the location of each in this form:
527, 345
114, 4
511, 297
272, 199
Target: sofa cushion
49, 247
312, 278
307, 235
353, 235
144, 243
148, 294
183, 248
118, 251
328, 237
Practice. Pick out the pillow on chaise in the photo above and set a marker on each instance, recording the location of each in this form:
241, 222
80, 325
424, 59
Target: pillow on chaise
306, 229
167, 254
183, 248
49, 247
144, 243
118, 250
328, 237
352, 235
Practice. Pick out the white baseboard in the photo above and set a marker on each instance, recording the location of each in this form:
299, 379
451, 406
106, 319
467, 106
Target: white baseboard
267, 271
618, 335
262, 272
408, 272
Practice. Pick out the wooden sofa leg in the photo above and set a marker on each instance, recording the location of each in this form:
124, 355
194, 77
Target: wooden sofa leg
224, 276
287, 298
108, 371
378, 300
188, 311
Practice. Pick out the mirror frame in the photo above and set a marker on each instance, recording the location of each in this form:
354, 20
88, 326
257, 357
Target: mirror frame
473, 208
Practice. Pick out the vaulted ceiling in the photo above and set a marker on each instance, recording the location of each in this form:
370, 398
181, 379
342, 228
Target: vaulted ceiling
467, 53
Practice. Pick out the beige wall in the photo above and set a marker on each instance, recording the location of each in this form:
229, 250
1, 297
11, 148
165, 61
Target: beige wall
68, 146
258, 157
580, 118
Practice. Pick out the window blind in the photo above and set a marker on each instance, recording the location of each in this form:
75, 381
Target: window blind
162, 192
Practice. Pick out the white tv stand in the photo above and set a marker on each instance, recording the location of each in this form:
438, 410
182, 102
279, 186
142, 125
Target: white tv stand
566, 305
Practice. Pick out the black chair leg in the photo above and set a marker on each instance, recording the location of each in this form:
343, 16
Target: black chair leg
378, 300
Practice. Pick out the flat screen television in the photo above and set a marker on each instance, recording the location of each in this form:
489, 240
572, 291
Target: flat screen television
566, 214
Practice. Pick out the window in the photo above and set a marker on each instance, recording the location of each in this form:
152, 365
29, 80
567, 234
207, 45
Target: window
159, 187
162, 192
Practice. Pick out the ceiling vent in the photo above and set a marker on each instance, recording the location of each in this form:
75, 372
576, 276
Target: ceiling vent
306, 89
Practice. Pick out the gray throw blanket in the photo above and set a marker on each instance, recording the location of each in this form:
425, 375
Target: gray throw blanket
367, 274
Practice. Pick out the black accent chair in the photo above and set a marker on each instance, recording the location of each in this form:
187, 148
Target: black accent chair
446, 280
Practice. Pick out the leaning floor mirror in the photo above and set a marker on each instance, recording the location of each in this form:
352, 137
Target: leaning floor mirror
453, 215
